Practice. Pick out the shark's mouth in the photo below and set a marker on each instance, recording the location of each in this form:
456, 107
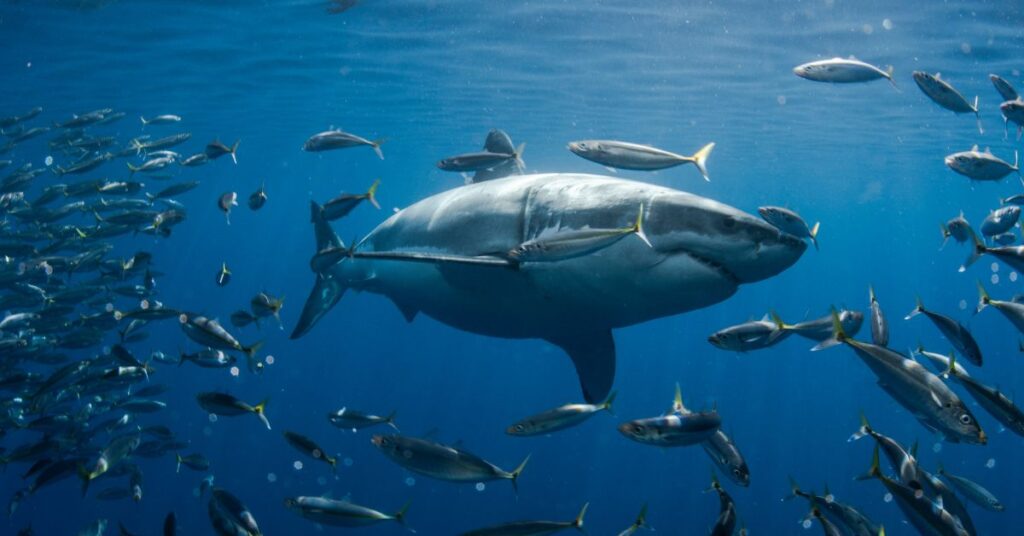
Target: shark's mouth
713, 265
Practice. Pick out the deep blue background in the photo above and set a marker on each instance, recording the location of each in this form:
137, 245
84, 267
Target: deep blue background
433, 78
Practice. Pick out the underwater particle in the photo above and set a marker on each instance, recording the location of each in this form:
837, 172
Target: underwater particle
963, 304
321, 480
937, 448
990, 463
868, 29
806, 524
48, 161
995, 267
348, 462
269, 359
1013, 276
480, 486
781, 99
207, 431
297, 464
109, 308
271, 477
887, 24
195, 492
887, 497
234, 371
213, 417
106, 350
965, 47
410, 481
995, 279
830, 498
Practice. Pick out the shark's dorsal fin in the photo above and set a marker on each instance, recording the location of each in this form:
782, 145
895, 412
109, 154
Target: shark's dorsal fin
593, 353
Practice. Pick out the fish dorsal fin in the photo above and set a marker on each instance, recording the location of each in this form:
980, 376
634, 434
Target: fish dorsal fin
974, 148
677, 402
938, 76
988, 150
852, 57
593, 354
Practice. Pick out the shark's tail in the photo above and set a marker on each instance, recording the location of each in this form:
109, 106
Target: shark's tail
327, 289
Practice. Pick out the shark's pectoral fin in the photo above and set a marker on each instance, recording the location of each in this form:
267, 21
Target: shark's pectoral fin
593, 353
325, 294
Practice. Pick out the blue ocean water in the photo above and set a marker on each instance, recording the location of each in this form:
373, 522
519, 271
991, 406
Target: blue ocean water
433, 77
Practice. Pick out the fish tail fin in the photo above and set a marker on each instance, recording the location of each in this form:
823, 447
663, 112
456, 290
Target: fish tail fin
700, 159
641, 518
945, 234
376, 147
58, 171
390, 420
400, 515
951, 369
977, 116
234, 151
638, 227
132, 168
888, 74
983, 297
875, 470
578, 522
780, 326
865, 428
677, 401
371, 194
838, 334
143, 119
86, 477
250, 351
918, 309
518, 154
177, 457
607, 404
794, 489
260, 411
514, 475
977, 250
814, 235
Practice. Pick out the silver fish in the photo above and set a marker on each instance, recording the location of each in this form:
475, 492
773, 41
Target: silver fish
842, 71
626, 155
944, 94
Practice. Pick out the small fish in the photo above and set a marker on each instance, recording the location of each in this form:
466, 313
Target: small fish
1004, 88
727, 457
160, 120
229, 406
901, 460
559, 418
994, 402
209, 358
820, 329
753, 335
569, 244
954, 332
945, 95
195, 461
1013, 112
337, 139
309, 447
973, 491
679, 428
531, 528
195, 160
442, 462
843, 71
879, 326
342, 205
151, 165
981, 166
827, 527
725, 524
625, 155
958, 228
1005, 239
258, 198
263, 305
336, 513
173, 190
209, 332
845, 516
223, 275
215, 149
1012, 310
205, 484
350, 419
225, 202
242, 318
482, 160
229, 516
790, 222
1000, 220
1011, 255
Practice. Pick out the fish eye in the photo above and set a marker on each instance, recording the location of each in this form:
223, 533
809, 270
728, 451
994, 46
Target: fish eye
638, 429
966, 419
520, 428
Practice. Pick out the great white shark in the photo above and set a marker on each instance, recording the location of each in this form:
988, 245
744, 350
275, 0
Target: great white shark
447, 257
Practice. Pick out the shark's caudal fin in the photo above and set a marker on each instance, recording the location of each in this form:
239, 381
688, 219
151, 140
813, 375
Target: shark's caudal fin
327, 289
593, 353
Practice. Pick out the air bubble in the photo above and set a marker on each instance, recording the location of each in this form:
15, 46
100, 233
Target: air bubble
937, 448
806, 524
269, 359
830, 498
963, 304
995, 266
480, 486
995, 279
234, 371
322, 480
271, 477
868, 29
195, 492
1013, 276
965, 47
213, 417
48, 161
297, 464
887, 24
207, 431
781, 99
410, 481
990, 463
887, 497
348, 462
